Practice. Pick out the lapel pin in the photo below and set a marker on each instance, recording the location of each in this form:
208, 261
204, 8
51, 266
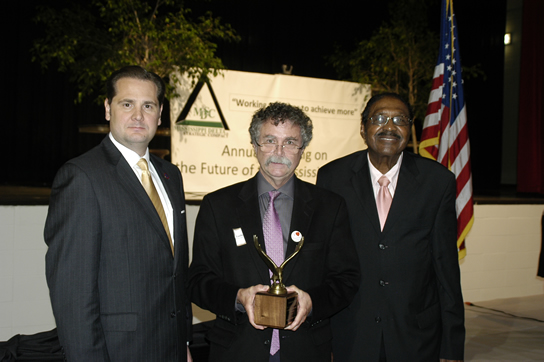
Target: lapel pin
296, 236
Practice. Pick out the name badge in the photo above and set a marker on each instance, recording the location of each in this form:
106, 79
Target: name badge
239, 237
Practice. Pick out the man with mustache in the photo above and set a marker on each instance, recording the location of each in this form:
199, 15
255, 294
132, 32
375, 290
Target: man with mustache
402, 213
227, 271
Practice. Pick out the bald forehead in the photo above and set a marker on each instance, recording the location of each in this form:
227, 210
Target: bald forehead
389, 105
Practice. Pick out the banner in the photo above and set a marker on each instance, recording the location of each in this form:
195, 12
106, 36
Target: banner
210, 121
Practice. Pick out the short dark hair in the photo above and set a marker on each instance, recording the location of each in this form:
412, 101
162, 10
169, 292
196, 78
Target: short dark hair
277, 113
377, 97
136, 72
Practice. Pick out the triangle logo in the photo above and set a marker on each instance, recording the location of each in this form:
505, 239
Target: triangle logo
202, 108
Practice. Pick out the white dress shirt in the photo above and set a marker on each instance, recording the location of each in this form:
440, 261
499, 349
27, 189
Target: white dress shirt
392, 175
132, 158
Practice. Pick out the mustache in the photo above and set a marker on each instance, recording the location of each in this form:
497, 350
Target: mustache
389, 133
278, 159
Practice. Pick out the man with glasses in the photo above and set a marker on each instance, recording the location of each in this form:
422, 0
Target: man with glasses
227, 270
402, 214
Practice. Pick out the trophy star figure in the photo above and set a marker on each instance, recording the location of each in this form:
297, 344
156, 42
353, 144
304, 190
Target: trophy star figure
277, 287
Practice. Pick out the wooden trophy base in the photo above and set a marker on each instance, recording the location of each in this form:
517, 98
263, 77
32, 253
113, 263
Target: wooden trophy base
276, 311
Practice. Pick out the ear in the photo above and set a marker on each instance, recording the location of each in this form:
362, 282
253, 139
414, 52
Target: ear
363, 131
107, 109
160, 114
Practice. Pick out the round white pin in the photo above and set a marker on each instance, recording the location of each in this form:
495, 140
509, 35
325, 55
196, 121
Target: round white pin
296, 236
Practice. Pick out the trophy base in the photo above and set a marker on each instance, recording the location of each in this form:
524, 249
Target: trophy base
276, 311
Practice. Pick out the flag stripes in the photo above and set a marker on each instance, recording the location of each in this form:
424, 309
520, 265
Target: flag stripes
445, 133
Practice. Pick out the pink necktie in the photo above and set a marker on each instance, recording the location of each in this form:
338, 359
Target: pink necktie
273, 241
384, 199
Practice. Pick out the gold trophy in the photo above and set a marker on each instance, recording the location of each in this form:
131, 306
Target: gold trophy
276, 308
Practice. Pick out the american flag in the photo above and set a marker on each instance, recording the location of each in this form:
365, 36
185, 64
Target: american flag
445, 134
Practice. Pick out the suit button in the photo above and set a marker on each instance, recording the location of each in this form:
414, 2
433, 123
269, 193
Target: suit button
173, 315
383, 283
267, 342
381, 246
378, 319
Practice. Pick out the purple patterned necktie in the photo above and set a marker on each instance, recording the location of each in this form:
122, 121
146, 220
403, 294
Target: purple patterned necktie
273, 241
384, 200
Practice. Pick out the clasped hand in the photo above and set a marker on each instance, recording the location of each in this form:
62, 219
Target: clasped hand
246, 297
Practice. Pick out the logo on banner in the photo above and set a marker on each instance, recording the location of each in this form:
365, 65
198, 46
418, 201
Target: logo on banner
202, 108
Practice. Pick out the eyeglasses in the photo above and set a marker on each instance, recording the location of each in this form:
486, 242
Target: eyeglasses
381, 120
271, 147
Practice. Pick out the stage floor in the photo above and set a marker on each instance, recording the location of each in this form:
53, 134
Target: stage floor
495, 336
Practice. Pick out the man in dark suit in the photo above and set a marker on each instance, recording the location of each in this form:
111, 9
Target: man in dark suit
227, 271
117, 263
409, 306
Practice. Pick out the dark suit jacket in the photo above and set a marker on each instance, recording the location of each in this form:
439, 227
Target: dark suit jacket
117, 293
410, 288
326, 268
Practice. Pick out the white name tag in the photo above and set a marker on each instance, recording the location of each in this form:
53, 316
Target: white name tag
239, 237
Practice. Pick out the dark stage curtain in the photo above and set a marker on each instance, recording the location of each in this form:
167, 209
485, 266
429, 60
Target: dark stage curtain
531, 104
39, 347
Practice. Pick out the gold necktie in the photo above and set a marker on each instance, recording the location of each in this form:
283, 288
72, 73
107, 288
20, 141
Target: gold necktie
147, 182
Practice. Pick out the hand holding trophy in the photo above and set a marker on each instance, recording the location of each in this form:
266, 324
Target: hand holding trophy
276, 308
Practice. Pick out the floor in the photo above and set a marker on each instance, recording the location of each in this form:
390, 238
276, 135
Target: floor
509, 329
496, 336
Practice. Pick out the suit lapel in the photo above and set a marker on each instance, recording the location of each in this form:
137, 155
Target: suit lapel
129, 181
303, 210
175, 200
362, 185
249, 216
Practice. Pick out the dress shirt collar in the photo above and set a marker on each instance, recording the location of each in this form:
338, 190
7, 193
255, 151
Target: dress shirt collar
264, 186
130, 156
392, 175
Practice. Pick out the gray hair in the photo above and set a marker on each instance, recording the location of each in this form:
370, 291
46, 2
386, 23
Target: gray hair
277, 113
